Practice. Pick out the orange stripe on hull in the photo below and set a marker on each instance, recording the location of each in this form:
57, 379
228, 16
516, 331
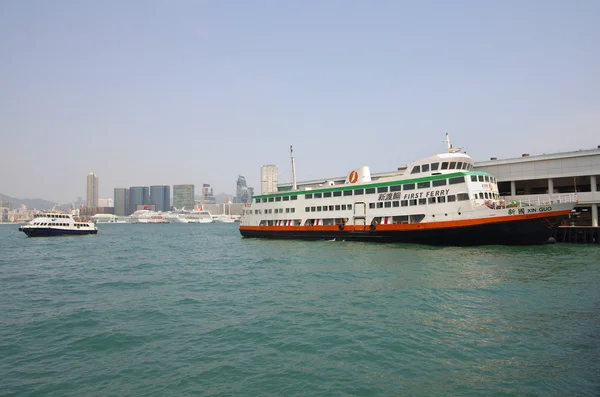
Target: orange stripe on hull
415, 226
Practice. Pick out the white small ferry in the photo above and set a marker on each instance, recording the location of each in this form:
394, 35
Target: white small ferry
439, 200
57, 224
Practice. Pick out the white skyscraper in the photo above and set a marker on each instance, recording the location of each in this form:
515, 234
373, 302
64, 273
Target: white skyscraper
92, 190
268, 179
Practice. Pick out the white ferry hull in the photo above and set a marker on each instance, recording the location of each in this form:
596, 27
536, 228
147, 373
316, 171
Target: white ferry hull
513, 231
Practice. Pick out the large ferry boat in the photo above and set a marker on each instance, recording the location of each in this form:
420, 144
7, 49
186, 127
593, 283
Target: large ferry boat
57, 224
439, 200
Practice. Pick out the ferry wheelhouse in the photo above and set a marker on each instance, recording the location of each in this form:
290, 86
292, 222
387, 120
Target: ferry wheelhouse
439, 200
57, 224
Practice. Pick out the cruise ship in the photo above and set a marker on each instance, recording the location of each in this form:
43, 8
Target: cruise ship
190, 217
439, 200
222, 218
146, 216
110, 218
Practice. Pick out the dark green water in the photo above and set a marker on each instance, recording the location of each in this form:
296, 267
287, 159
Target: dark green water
177, 310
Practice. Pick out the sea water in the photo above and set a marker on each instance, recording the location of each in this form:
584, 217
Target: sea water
195, 309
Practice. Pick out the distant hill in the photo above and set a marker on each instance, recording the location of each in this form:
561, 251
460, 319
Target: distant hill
37, 203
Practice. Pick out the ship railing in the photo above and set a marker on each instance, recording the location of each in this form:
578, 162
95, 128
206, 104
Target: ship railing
531, 201
537, 200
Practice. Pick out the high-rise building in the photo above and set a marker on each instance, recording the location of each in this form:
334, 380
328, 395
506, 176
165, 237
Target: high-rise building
160, 197
6, 204
208, 196
138, 195
183, 196
268, 179
121, 201
92, 190
4, 214
105, 202
243, 194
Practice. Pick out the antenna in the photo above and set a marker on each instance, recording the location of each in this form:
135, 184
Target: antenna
293, 168
450, 148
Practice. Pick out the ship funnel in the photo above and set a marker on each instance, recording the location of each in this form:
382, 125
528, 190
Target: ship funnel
358, 175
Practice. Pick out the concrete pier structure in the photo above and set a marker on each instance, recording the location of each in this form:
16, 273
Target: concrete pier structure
535, 176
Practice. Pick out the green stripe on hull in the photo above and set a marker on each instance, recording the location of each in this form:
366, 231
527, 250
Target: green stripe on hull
372, 184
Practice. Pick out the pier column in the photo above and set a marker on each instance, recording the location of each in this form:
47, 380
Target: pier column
594, 206
550, 185
513, 188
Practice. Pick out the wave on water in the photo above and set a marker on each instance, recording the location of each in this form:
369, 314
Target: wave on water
170, 311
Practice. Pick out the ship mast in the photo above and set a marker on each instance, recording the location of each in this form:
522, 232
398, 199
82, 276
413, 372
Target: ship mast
450, 148
293, 168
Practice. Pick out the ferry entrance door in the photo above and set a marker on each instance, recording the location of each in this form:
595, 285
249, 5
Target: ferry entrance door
360, 216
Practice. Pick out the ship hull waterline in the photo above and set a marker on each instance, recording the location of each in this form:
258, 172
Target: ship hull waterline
47, 232
519, 231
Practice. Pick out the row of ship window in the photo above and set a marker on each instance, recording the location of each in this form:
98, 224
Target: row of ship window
446, 165
382, 204
280, 198
381, 189
271, 211
486, 195
389, 220
384, 189
60, 224
395, 188
397, 203
42, 215
483, 178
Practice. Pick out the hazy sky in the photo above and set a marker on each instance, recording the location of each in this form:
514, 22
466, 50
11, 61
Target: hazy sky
170, 92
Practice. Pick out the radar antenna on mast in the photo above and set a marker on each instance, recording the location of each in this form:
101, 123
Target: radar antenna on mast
450, 148
293, 168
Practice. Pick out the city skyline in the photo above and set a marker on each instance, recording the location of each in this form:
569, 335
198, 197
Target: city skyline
221, 89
